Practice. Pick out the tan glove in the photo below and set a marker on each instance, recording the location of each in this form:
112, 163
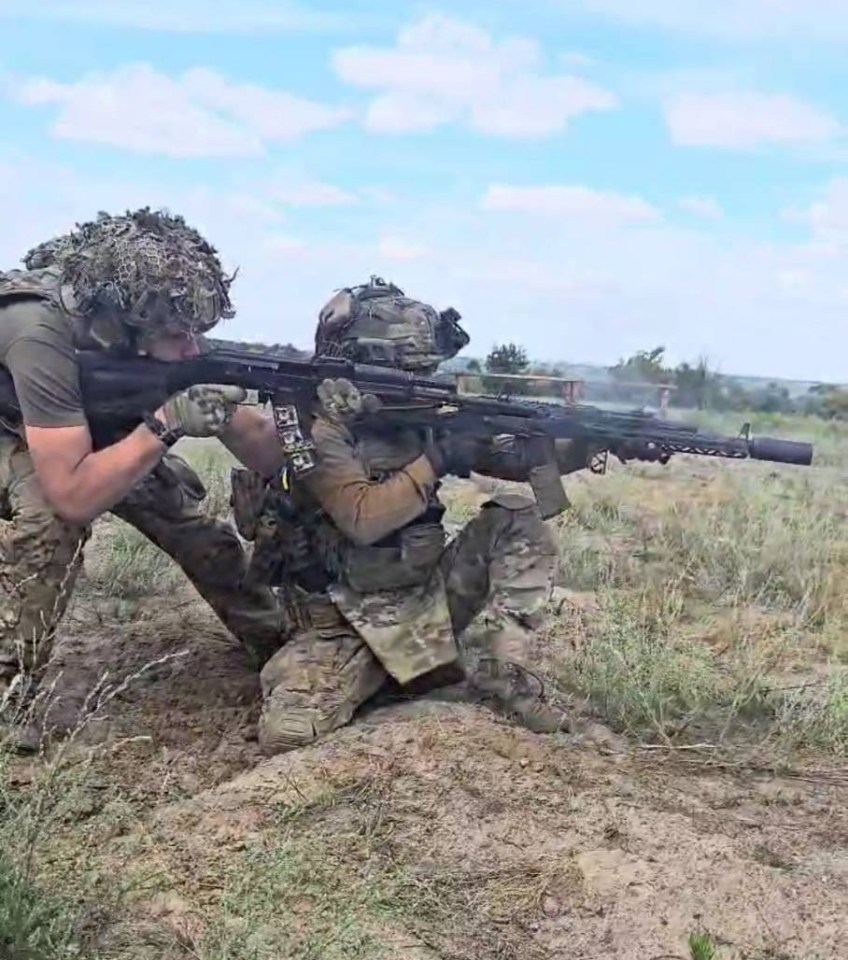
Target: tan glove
340, 400
202, 410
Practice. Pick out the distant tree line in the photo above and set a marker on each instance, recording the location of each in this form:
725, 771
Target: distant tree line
695, 386
287, 351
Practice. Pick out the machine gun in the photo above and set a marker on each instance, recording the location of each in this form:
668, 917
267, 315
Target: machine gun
118, 390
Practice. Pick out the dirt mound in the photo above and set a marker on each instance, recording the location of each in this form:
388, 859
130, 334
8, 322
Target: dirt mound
507, 844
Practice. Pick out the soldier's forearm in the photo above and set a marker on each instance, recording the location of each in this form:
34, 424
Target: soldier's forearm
368, 510
80, 484
507, 459
252, 439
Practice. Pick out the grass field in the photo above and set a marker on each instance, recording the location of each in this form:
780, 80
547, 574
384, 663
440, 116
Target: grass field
701, 612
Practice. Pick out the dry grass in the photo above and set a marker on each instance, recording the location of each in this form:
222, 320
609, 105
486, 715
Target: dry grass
719, 599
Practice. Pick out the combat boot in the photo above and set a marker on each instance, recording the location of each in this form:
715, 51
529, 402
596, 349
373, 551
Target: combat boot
516, 692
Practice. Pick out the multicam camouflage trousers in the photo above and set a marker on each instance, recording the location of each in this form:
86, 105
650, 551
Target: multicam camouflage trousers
498, 573
41, 556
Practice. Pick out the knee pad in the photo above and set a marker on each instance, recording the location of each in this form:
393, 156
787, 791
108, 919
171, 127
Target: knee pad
284, 727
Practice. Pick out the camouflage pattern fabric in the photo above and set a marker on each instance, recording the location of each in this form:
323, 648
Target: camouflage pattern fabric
42, 284
40, 557
313, 685
492, 585
409, 630
166, 506
144, 270
377, 323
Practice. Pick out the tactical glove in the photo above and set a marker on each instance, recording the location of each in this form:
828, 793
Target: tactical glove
202, 410
638, 449
340, 400
455, 453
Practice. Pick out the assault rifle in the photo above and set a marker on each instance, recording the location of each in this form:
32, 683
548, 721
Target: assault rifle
117, 391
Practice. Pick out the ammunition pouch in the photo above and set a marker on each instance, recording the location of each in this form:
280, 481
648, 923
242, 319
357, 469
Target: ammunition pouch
546, 483
404, 559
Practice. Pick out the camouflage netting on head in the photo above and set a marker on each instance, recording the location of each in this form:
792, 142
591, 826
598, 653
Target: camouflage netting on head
148, 268
377, 323
49, 253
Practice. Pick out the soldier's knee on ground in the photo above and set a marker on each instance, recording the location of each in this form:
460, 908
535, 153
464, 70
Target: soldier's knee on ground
313, 686
284, 727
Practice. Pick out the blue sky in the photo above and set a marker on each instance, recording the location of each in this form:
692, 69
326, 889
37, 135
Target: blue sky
586, 177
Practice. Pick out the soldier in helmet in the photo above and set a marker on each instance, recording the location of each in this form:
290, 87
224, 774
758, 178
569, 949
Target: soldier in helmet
359, 546
141, 283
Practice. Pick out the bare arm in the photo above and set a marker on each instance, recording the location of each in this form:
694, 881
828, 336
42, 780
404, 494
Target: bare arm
78, 483
251, 438
81, 484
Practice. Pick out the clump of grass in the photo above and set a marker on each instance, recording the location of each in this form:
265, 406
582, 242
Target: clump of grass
816, 716
739, 536
33, 924
124, 564
46, 911
330, 881
212, 462
778, 545
288, 899
642, 673
701, 947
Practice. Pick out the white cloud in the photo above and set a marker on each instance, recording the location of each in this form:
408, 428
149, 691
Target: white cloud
295, 192
746, 120
706, 207
568, 202
178, 16
826, 217
747, 20
397, 248
568, 287
282, 244
575, 59
197, 114
443, 70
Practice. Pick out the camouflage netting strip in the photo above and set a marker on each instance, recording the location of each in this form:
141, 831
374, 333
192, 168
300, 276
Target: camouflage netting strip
124, 262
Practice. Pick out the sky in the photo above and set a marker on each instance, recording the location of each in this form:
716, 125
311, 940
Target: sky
584, 177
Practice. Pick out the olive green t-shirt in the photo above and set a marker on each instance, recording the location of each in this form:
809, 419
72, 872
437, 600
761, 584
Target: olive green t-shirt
37, 348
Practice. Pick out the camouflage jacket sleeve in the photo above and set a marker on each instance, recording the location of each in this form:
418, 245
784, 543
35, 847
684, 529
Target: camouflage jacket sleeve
505, 459
365, 510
